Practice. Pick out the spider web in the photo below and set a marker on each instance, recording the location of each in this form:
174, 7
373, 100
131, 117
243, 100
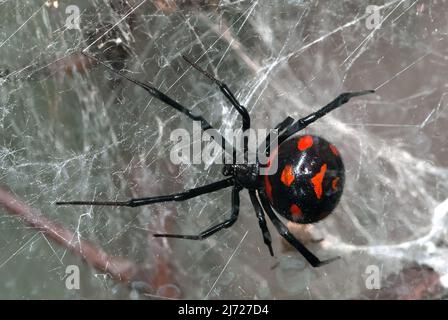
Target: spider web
72, 130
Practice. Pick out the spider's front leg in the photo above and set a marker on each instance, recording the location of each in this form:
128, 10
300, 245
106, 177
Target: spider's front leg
266, 145
169, 101
212, 230
227, 93
137, 202
301, 124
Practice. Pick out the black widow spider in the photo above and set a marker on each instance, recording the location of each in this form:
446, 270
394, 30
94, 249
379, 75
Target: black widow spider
306, 187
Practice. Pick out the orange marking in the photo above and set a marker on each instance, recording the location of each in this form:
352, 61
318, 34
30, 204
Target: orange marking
305, 142
334, 150
317, 181
272, 157
267, 183
268, 187
334, 183
295, 211
287, 176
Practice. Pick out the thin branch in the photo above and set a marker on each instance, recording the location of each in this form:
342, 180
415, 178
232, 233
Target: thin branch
119, 269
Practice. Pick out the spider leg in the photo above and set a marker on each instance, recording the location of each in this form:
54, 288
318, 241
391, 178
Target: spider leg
261, 221
212, 230
279, 127
227, 93
284, 232
284, 124
169, 101
304, 122
137, 202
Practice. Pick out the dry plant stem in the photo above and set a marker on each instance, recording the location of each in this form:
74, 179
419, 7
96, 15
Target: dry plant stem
117, 268
414, 282
224, 31
163, 279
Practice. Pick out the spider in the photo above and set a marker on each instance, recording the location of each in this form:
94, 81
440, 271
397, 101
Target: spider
305, 188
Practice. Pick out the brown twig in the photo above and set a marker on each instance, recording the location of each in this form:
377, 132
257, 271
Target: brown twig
170, 6
224, 31
119, 269
163, 279
413, 282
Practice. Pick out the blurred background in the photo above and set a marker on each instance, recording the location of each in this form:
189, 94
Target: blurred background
70, 129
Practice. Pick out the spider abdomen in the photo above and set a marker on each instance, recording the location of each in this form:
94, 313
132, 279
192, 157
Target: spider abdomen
309, 179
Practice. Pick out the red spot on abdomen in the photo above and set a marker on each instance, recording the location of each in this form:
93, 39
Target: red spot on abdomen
296, 211
267, 183
287, 176
334, 183
334, 150
272, 157
268, 187
305, 142
317, 181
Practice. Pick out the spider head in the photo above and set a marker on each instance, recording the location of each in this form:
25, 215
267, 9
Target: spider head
228, 170
245, 175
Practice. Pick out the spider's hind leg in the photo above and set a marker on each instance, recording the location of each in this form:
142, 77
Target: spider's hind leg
285, 233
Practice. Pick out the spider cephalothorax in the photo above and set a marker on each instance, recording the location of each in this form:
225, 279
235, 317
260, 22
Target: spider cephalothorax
305, 187
245, 175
